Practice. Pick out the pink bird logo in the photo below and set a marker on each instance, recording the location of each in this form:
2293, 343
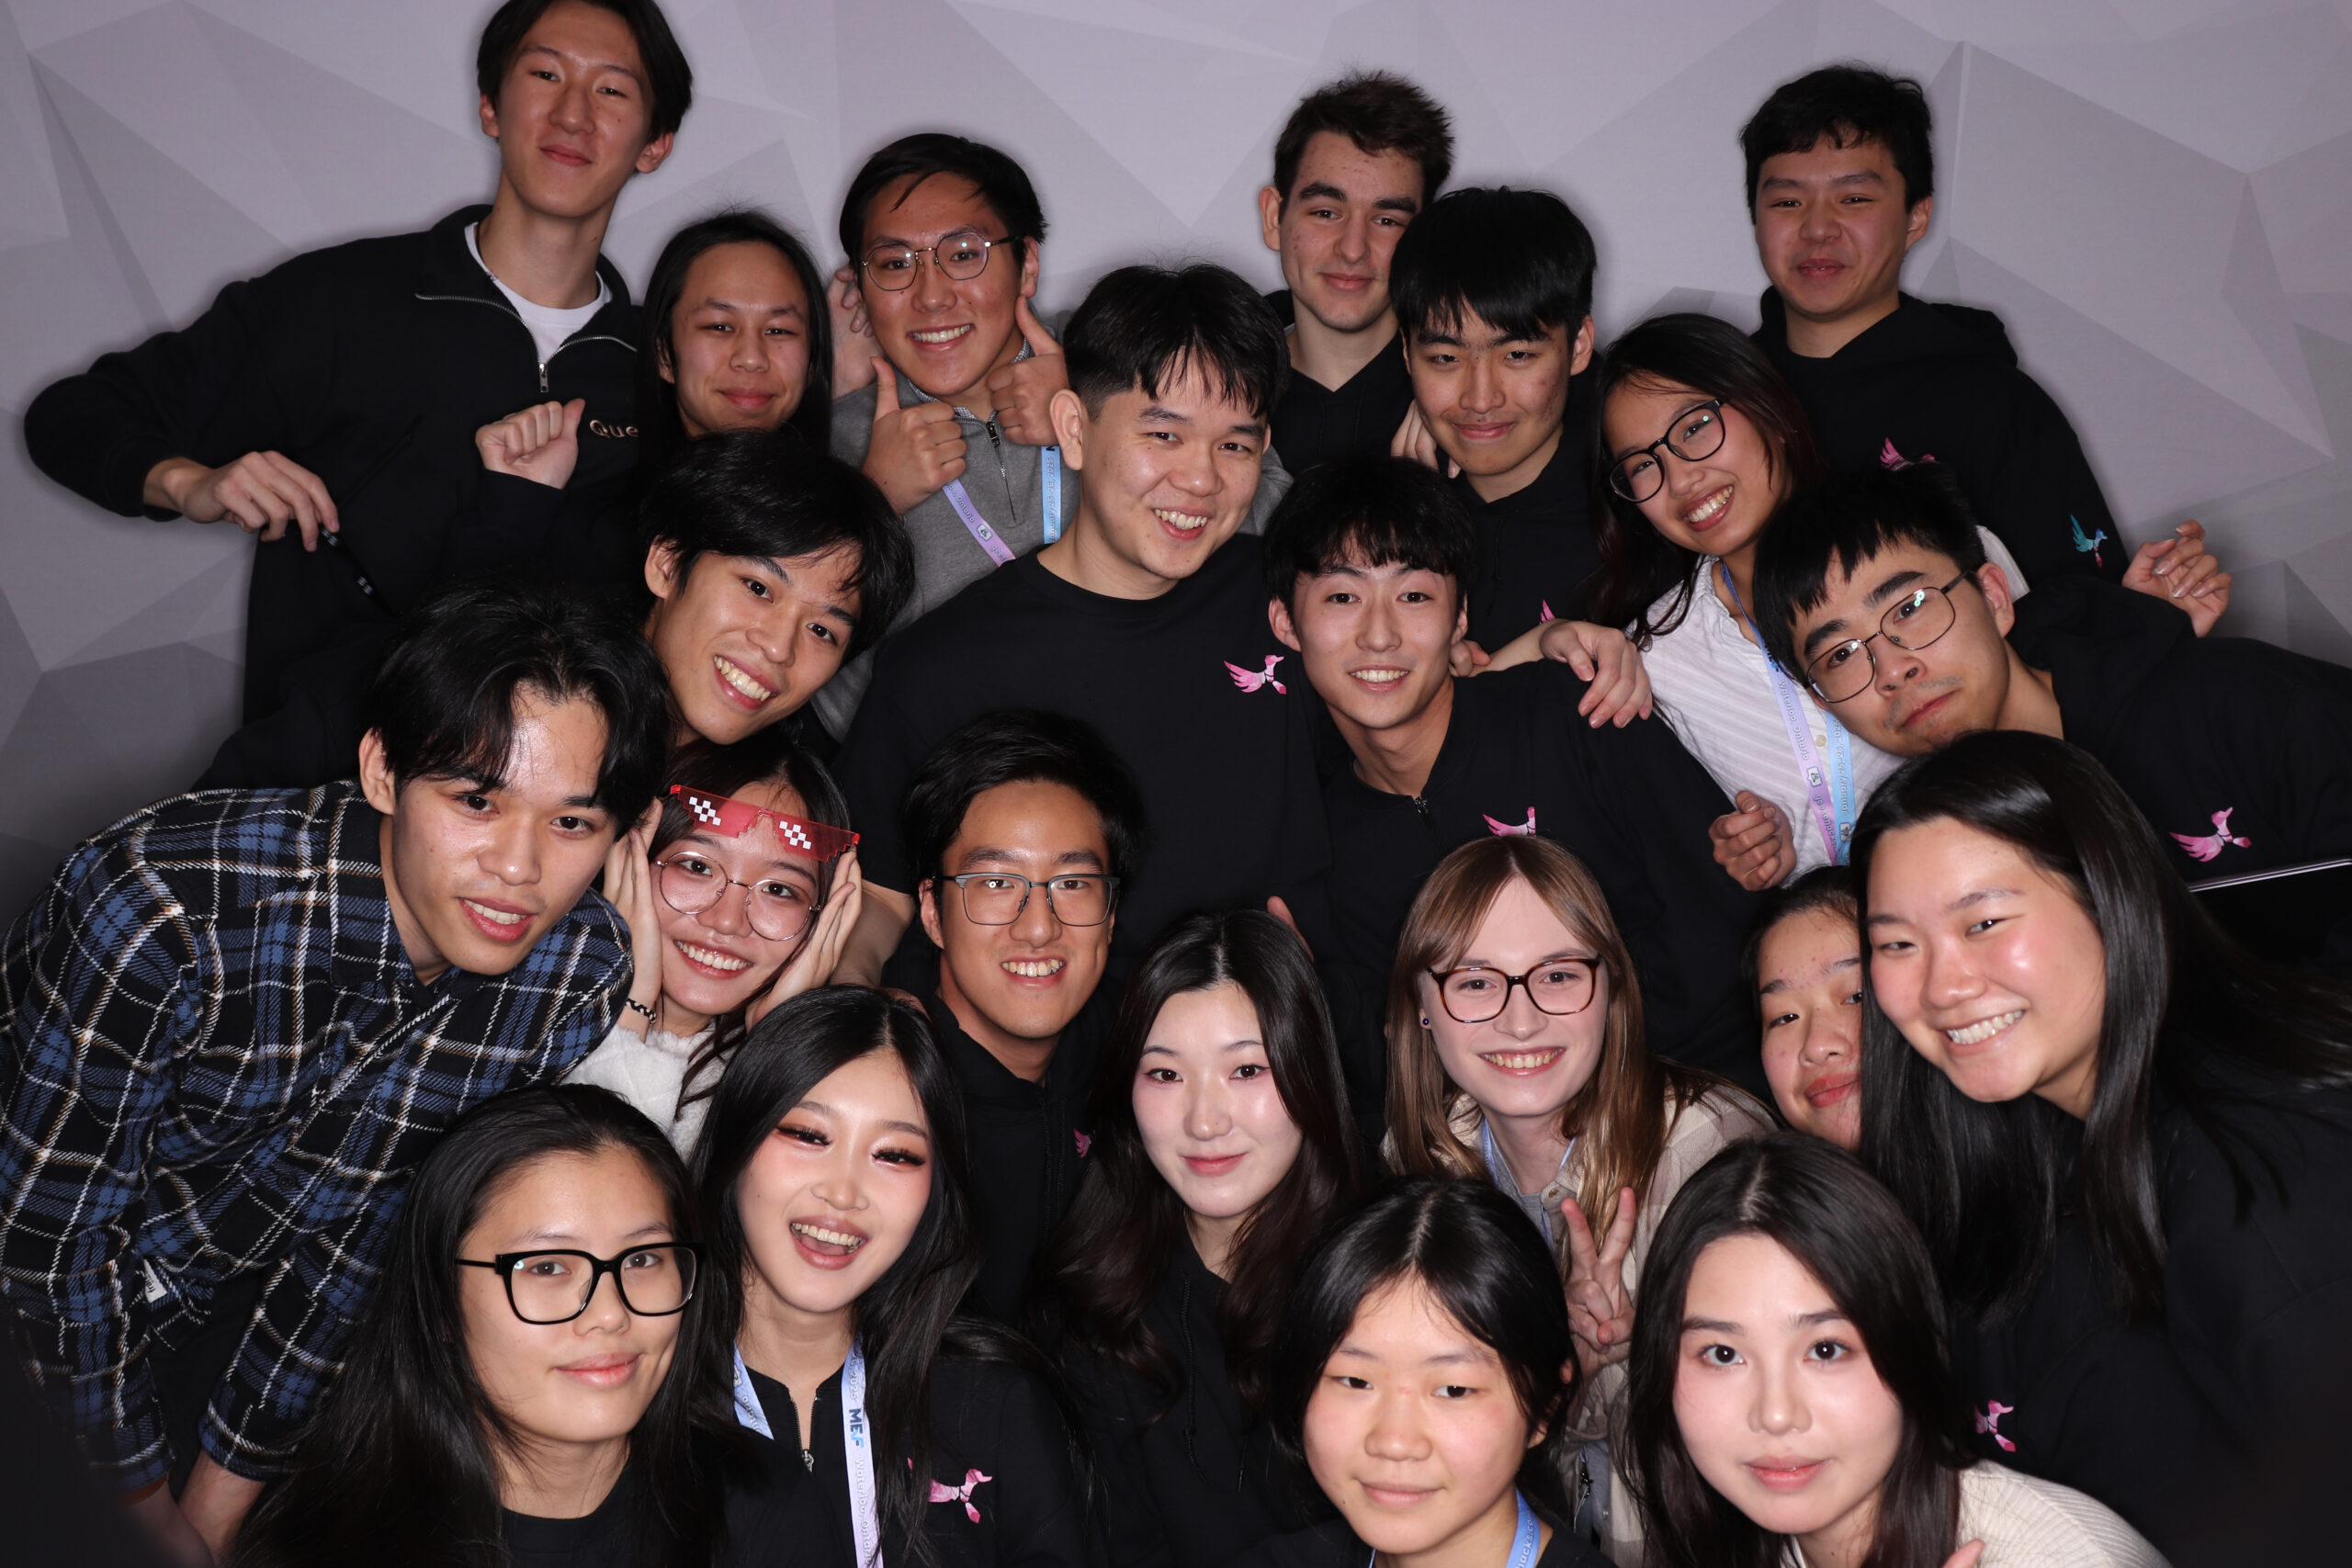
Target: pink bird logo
1509, 830
2208, 846
1084, 1142
1894, 461
1250, 680
942, 1492
1547, 614
1988, 1425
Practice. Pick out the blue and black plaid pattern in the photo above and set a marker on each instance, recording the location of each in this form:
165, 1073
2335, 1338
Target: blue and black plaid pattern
214, 1059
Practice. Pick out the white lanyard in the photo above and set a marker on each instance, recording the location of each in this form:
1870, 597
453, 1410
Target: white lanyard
858, 1447
1522, 1545
1049, 475
1831, 797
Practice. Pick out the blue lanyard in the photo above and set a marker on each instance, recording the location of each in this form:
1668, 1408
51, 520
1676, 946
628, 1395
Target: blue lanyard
1522, 1545
1049, 475
1831, 798
858, 1447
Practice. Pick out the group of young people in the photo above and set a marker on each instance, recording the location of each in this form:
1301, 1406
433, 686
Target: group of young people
847, 927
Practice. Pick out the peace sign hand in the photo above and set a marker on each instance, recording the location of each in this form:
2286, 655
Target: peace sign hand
1600, 1309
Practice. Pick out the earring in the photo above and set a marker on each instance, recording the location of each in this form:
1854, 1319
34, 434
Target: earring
1425, 1021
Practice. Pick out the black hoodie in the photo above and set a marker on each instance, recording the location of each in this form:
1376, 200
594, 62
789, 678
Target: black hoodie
1315, 424
1189, 1477
372, 365
2192, 729
1942, 382
1537, 559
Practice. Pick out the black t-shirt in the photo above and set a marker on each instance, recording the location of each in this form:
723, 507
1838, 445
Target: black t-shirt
1180, 688
1025, 1152
1334, 1545
1535, 547
607, 1539
1315, 424
1004, 1491
1631, 803
1189, 1478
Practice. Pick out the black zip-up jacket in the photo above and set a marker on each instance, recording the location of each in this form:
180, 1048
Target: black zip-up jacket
2192, 727
372, 365
1189, 1479
1942, 382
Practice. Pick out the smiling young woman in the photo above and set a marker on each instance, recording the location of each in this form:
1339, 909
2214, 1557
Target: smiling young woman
1222, 1144
1517, 1056
1793, 1399
2128, 1141
833, 1192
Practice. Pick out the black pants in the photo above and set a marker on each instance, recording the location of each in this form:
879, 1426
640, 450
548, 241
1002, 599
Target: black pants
188, 1373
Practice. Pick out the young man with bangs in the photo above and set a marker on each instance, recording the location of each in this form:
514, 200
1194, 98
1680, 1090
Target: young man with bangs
1026, 826
1145, 620
364, 397
1355, 163
1875, 588
943, 236
1494, 295
1840, 186
768, 566
236, 1022
1366, 565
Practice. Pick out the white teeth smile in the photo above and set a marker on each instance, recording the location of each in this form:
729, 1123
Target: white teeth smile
830, 1237
741, 679
1977, 1034
712, 958
1380, 677
495, 917
1183, 520
941, 334
1520, 1061
1032, 969
1710, 509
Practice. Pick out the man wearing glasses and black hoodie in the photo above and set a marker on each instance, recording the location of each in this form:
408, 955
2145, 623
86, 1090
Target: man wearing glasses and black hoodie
419, 407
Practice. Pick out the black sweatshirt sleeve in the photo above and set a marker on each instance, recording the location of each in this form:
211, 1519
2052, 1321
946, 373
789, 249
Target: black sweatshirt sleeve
2032, 485
1138, 1537
233, 381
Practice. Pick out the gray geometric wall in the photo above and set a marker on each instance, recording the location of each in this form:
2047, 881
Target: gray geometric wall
2157, 194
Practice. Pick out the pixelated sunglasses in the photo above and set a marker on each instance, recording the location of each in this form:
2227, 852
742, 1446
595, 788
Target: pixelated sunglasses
736, 817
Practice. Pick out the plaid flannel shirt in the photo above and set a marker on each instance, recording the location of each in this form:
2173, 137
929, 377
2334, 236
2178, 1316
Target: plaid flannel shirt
214, 1059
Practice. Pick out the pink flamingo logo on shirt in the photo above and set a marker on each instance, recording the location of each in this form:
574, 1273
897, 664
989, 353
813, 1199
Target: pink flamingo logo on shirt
1250, 680
1894, 461
2208, 846
942, 1492
1547, 614
1988, 1425
1084, 1142
1512, 831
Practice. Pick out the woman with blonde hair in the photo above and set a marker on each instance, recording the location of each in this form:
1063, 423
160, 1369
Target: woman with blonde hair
1516, 1056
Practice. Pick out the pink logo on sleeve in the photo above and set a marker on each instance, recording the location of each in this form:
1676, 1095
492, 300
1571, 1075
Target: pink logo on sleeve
942, 1492
1512, 831
1250, 680
1988, 1425
1894, 461
1547, 614
1084, 1142
2208, 846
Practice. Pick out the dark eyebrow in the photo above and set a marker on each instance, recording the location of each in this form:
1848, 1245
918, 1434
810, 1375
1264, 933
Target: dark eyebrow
715, 303
1397, 204
1891, 587
832, 607
955, 234
1321, 189
1708, 1326
1161, 413
575, 60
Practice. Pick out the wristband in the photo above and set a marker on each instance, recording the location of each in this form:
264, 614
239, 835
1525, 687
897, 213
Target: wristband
636, 1006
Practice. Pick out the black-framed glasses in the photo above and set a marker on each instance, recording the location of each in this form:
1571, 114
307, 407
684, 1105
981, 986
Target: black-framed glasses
1561, 986
1697, 432
777, 907
961, 256
997, 898
556, 1285
1845, 669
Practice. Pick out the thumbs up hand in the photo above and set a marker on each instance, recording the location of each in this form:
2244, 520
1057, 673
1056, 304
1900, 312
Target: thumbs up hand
915, 451
540, 444
1024, 388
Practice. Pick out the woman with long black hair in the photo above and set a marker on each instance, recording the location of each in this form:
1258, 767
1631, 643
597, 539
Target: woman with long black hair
1793, 1400
2127, 1141
739, 897
890, 1428
524, 1388
1423, 1376
1222, 1143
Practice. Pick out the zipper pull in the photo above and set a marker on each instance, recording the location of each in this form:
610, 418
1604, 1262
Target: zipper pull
1423, 806
543, 378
